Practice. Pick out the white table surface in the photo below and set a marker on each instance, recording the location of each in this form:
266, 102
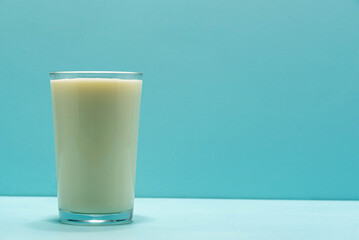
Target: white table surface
29, 218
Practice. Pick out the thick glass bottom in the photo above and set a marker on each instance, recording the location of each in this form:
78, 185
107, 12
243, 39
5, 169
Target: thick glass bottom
95, 219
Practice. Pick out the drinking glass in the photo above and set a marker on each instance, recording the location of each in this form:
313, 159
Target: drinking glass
96, 121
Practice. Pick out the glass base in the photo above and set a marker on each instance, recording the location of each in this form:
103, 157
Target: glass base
95, 219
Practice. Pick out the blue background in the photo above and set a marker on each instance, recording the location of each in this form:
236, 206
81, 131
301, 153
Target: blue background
241, 99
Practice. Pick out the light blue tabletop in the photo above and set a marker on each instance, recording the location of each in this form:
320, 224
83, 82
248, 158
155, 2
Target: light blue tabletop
36, 218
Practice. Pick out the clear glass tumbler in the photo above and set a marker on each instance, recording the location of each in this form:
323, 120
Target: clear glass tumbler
96, 120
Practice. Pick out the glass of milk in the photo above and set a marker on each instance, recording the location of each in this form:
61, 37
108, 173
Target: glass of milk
96, 119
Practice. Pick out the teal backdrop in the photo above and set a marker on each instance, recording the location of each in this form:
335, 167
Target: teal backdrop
241, 98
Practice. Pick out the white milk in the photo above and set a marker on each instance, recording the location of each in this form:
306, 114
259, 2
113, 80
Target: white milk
96, 130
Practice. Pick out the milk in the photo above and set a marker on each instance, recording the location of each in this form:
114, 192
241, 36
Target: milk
96, 130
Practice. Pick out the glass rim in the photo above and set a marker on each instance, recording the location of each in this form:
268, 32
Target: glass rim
101, 72
60, 75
